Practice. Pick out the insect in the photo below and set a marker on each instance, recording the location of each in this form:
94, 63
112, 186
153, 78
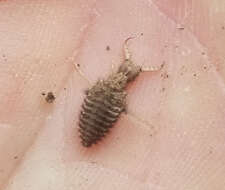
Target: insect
106, 100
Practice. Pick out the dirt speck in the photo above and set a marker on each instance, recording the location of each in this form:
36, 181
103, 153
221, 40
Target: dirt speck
107, 48
180, 28
49, 98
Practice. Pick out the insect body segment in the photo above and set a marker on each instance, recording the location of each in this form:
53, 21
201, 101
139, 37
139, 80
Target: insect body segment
101, 109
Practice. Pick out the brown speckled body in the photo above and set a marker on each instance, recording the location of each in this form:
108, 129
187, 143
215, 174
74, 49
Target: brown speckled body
104, 103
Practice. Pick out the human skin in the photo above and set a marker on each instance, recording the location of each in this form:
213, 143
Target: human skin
173, 134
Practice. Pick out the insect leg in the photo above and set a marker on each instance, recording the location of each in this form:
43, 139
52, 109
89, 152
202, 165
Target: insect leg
149, 126
77, 68
152, 68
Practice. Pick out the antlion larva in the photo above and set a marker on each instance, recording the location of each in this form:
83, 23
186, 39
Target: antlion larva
106, 100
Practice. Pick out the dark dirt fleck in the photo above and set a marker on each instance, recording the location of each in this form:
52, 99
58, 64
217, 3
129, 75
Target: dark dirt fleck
107, 48
210, 151
180, 28
50, 97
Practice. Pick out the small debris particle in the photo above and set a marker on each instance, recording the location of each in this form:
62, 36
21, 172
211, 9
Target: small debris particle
142, 34
223, 27
195, 75
180, 28
107, 48
43, 94
15, 157
203, 53
4, 57
64, 88
50, 97
163, 89
204, 67
78, 65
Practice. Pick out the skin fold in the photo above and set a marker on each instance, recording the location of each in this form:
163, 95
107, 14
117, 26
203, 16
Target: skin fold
173, 134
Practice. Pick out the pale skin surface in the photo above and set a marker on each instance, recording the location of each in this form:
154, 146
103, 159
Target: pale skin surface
178, 140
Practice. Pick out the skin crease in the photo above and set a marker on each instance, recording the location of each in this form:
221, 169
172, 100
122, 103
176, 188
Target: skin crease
173, 135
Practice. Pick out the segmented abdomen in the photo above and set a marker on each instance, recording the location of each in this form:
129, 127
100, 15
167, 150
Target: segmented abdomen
98, 115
